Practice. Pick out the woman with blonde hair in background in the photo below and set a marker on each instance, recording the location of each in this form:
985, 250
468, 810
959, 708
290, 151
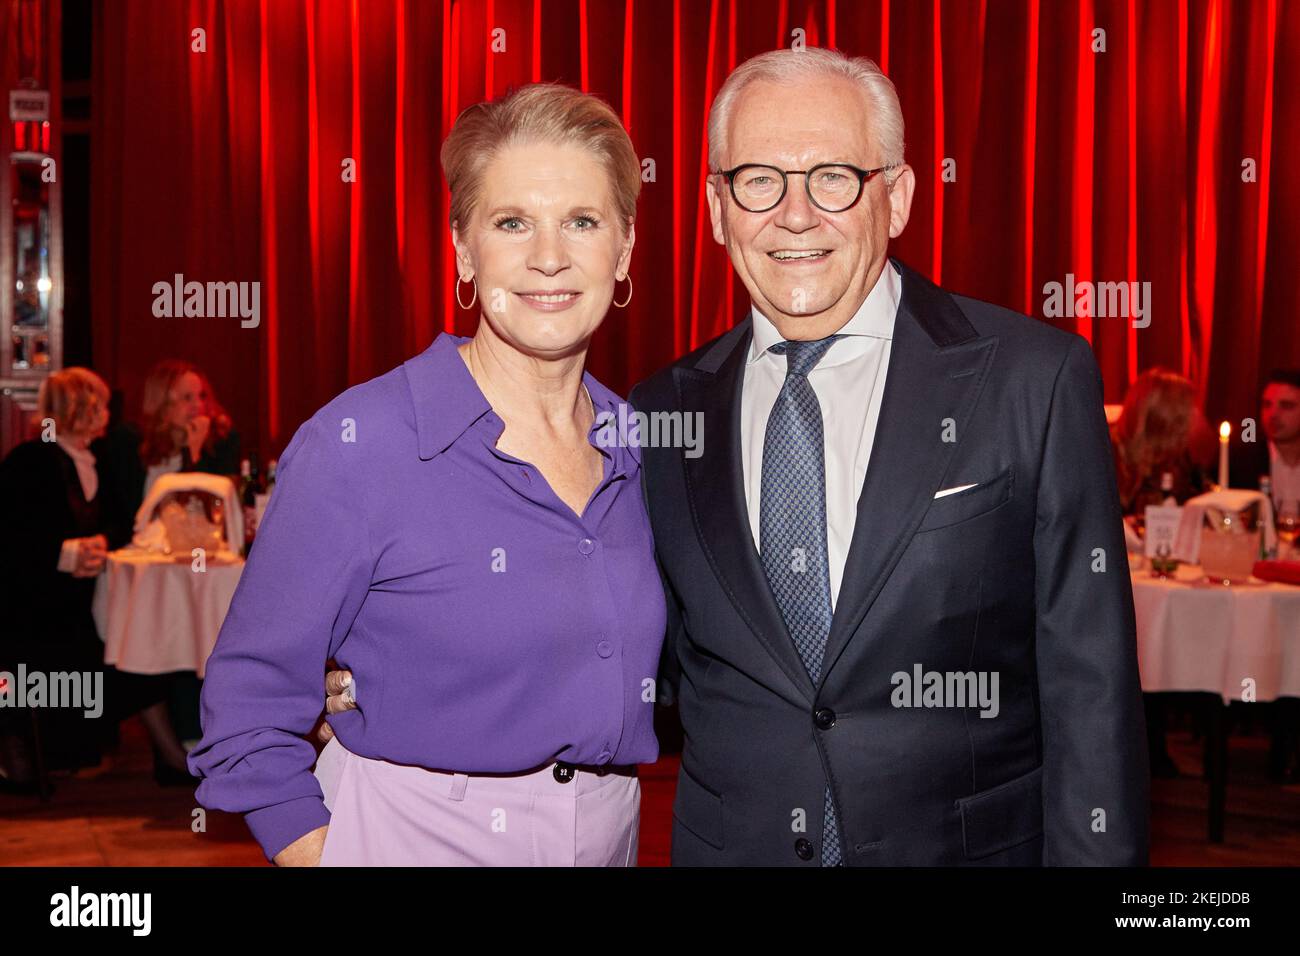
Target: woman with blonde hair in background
54, 539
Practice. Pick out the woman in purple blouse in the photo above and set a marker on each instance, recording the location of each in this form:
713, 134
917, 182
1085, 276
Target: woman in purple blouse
453, 533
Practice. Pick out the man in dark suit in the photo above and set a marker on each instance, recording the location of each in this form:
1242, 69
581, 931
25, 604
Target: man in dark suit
901, 623
1275, 446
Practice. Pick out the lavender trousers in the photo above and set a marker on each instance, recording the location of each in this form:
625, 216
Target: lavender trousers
387, 814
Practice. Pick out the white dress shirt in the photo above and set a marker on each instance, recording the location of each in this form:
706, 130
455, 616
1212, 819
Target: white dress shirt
168, 466
1286, 478
849, 382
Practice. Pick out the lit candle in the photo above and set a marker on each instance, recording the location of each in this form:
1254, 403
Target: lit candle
1224, 431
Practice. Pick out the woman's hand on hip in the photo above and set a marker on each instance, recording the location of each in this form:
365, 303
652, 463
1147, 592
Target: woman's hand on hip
339, 696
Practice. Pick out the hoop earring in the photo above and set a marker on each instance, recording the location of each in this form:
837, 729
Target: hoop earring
623, 304
472, 283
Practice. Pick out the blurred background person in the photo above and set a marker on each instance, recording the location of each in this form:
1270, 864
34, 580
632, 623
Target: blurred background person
1279, 414
1163, 446
1160, 431
1276, 449
54, 541
182, 427
1276, 453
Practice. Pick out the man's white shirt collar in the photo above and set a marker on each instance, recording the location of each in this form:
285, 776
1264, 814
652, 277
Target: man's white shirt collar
874, 318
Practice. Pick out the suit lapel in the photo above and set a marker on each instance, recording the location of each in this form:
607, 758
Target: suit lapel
937, 368
716, 488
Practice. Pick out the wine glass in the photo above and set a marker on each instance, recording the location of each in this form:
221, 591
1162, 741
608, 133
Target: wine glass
1288, 527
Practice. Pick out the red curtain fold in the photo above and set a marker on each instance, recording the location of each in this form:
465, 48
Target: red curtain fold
1122, 165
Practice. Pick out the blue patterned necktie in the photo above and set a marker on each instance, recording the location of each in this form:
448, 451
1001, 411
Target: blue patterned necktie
792, 524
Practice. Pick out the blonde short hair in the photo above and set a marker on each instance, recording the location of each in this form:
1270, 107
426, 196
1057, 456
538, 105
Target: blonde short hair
786, 66
71, 397
538, 112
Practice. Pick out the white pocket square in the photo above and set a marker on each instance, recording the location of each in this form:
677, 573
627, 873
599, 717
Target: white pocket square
952, 491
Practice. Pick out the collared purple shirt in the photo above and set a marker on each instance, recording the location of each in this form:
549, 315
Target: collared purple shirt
489, 628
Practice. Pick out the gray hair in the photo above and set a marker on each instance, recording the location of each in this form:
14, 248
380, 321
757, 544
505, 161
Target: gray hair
777, 66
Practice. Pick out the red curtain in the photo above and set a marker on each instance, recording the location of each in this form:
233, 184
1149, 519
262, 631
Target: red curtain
1130, 163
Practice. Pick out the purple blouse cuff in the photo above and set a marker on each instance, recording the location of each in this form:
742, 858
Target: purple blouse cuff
276, 826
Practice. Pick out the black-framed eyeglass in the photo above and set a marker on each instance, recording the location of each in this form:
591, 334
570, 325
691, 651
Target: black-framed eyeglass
832, 187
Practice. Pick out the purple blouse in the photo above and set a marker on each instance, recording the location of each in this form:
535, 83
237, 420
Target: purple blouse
489, 628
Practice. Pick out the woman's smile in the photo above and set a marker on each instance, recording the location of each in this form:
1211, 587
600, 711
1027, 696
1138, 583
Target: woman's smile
556, 300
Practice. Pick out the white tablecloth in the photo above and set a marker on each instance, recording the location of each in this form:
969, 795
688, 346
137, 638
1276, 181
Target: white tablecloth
156, 615
1194, 637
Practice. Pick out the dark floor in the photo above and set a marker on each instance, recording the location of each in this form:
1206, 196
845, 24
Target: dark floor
122, 818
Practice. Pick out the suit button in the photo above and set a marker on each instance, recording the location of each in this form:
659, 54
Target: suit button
604, 648
586, 546
803, 848
564, 772
824, 718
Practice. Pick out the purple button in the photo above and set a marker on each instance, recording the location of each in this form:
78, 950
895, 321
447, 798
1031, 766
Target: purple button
586, 546
604, 648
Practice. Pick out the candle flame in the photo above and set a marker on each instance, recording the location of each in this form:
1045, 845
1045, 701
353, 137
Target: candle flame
1225, 430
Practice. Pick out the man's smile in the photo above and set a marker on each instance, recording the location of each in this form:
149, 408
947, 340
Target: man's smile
786, 256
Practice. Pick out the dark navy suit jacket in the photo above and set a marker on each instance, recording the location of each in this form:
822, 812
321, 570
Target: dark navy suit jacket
1023, 575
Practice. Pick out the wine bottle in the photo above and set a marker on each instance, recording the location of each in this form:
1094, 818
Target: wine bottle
1266, 489
248, 499
263, 496
1167, 490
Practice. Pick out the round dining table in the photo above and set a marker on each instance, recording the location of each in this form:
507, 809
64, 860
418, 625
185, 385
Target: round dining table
158, 613
1238, 642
